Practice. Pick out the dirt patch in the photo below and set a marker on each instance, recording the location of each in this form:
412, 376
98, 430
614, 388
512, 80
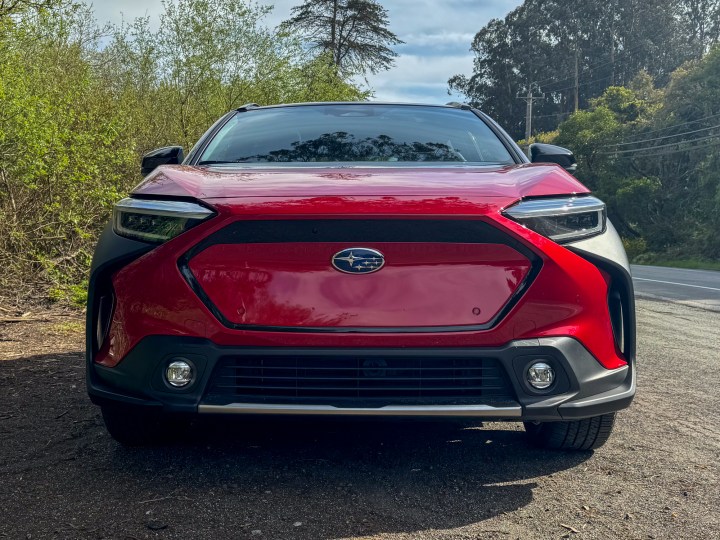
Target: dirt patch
24, 334
63, 477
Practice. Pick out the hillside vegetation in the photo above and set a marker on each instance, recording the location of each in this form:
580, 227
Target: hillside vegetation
80, 103
631, 86
654, 157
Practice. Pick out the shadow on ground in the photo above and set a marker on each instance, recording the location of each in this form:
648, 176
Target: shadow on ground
230, 479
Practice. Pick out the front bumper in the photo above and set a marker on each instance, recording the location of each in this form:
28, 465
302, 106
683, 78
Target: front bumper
142, 313
583, 388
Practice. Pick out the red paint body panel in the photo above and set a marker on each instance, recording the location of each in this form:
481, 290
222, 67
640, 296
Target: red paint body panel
567, 298
512, 182
294, 284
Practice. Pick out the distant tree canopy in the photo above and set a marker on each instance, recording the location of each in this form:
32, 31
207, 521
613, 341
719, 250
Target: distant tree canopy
11, 7
353, 33
654, 157
80, 103
631, 86
572, 50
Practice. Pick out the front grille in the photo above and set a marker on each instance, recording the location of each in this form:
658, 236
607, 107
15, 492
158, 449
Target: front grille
358, 380
358, 232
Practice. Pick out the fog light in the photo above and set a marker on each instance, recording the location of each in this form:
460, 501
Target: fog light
540, 375
179, 373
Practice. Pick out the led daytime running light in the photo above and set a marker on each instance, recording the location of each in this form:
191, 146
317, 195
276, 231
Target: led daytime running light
561, 219
156, 221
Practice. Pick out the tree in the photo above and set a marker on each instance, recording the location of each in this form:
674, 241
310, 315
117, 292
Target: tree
653, 156
572, 50
701, 21
354, 33
80, 103
13, 7
198, 66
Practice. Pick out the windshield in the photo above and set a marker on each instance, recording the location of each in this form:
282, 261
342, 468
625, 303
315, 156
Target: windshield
356, 133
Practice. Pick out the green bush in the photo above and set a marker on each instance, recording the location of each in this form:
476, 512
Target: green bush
635, 248
80, 104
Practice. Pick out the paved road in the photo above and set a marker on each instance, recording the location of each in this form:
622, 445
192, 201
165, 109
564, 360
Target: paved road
692, 287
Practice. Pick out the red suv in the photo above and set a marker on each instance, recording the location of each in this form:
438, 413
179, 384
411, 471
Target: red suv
361, 259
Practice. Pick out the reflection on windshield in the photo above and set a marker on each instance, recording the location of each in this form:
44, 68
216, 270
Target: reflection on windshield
356, 133
340, 146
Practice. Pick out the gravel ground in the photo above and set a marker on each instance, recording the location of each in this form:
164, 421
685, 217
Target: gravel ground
61, 476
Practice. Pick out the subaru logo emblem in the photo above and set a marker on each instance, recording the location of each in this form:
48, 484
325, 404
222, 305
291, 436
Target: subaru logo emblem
358, 260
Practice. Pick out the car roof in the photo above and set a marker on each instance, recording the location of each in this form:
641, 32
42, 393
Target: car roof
255, 106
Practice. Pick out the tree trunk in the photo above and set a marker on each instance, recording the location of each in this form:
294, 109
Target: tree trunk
333, 36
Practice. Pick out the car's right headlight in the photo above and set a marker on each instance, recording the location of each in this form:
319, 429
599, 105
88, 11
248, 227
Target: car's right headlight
156, 221
563, 219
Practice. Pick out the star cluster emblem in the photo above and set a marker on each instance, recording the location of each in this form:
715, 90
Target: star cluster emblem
358, 260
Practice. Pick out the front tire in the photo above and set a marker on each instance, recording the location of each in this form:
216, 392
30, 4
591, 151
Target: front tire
136, 427
586, 434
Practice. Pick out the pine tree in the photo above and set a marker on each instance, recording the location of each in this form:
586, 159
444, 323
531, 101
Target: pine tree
353, 33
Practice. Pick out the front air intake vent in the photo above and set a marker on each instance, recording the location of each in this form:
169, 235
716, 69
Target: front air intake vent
368, 381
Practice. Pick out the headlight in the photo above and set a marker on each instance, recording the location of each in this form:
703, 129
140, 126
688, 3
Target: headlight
156, 221
561, 219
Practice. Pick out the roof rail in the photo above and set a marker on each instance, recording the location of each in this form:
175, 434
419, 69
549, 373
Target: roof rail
463, 106
247, 107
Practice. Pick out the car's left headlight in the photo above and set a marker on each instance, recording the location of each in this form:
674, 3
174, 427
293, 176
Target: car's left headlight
156, 221
563, 219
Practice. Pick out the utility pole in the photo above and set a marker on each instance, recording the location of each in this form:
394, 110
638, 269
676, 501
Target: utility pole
577, 80
612, 43
576, 92
529, 98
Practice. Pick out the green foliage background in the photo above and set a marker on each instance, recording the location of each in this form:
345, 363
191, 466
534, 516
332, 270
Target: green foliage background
79, 105
653, 155
570, 51
633, 88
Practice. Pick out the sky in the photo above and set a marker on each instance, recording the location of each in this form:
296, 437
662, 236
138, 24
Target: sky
437, 36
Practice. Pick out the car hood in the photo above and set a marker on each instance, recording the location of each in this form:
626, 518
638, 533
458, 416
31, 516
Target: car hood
505, 182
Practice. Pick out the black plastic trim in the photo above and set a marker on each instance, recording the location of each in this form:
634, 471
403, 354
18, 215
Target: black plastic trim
111, 253
586, 388
360, 231
621, 279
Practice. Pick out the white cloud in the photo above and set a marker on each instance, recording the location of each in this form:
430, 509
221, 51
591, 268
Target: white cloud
437, 38
420, 78
462, 39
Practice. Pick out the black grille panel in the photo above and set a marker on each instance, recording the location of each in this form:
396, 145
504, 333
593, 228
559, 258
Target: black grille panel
358, 380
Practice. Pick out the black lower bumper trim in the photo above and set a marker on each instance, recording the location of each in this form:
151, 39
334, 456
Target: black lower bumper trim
583, 388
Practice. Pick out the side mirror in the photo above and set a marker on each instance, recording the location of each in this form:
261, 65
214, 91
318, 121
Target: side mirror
549, 153
169, 155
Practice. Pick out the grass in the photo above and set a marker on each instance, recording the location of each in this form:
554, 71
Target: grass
695, 264
68, 327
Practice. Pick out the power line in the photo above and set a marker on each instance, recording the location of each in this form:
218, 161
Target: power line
567, 113
699, 147
661, 138
636, 150
678, 125
594, 67
586, 83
